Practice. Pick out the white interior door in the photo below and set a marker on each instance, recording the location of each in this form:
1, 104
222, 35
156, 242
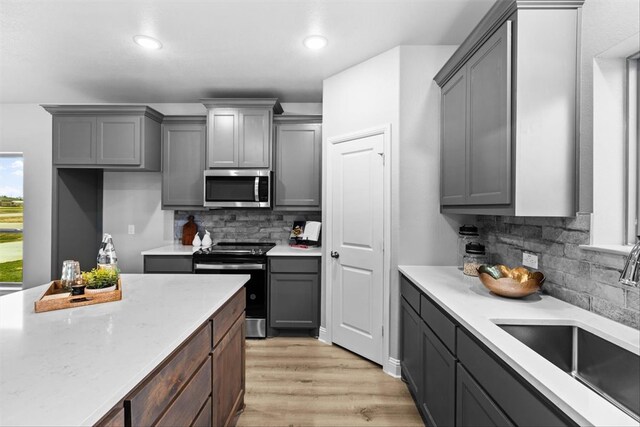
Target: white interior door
356, 185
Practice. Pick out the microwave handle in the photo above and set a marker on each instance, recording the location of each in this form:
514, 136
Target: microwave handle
256, 186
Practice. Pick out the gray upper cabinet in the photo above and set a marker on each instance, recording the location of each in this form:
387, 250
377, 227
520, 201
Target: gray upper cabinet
183, 161
125, 137
239, 132
509, 113
298, 155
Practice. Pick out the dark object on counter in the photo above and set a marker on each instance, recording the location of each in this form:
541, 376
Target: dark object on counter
77, 290
189, 231
466, 234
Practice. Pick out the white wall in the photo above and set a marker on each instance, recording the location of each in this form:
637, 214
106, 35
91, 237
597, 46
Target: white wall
26, 128
396, 88
605, 23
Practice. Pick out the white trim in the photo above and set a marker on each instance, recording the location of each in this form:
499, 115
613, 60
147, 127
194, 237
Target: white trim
385, 131
323, 336
392, 367
608, 249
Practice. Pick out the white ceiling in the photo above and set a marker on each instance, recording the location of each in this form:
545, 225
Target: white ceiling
75, 51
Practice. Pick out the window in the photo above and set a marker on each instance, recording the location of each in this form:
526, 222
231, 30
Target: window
632, 107
11, 217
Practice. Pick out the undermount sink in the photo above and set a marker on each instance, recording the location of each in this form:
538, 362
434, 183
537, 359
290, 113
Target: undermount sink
606, 368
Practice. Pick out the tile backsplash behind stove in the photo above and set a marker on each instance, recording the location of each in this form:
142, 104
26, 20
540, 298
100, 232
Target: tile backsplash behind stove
243, 224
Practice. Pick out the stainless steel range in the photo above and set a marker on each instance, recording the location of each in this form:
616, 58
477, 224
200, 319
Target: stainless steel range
241, 258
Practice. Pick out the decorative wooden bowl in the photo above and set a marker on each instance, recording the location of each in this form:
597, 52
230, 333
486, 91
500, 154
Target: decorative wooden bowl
510, 288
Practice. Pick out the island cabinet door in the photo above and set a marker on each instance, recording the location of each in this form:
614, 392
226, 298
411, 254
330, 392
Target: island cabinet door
115, 418
228, 375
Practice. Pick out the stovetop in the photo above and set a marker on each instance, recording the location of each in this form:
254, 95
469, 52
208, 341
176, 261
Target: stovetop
239, 248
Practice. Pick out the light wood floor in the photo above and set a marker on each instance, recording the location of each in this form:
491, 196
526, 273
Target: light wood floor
303, 382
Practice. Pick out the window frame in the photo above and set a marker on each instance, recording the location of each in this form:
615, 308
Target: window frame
632, 150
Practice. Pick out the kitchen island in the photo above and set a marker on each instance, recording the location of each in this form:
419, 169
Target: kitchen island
80, 365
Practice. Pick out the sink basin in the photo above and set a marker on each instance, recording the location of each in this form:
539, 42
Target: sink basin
606, 368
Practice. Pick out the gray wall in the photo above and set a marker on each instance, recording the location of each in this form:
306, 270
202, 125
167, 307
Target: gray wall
26, 128
232, 225
583, 278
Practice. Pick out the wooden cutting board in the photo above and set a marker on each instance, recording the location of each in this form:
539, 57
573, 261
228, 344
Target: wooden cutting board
189, 231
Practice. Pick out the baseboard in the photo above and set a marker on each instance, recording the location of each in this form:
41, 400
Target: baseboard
392, 367
323, 335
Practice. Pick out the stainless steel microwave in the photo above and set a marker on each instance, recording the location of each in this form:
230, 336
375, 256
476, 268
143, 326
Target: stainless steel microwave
237, 188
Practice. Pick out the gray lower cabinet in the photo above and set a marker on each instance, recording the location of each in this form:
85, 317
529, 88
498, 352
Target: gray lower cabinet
167, 264
183, 162
294, 295
474, 408
298, 155
455, 380
125, 137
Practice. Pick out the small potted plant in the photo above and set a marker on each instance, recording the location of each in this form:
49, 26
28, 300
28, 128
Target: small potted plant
100, 280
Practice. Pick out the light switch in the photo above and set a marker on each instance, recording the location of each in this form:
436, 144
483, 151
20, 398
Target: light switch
530, 260
132, 229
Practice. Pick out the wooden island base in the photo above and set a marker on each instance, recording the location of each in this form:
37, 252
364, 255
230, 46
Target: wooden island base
202, 383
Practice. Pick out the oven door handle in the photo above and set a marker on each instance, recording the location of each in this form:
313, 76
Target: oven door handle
256, 187
229, 266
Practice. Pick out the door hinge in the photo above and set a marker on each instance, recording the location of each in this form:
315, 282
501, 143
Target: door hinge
383, 331
382, 156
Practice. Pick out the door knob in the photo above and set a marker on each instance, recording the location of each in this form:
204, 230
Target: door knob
335, 254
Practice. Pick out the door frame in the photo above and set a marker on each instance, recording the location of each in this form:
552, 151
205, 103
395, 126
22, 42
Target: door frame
389, 366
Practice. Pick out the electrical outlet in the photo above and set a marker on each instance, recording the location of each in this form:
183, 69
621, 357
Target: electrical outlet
530, 260
132, 229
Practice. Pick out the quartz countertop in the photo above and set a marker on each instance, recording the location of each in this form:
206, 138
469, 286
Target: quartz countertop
286, 250
172, 249
70, 367
479, 311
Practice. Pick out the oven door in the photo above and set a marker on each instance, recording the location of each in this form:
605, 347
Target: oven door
256, 287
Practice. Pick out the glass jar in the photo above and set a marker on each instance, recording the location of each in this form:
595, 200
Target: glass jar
474, 257
467, 234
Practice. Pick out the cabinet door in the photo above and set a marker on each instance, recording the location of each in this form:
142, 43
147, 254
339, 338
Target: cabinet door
74, 140
298, 157
411, 342
294, 301
183, 164
118, 140
489, 121
453, 140
474, 408
438, 381
228, 374
222, 138
254, 138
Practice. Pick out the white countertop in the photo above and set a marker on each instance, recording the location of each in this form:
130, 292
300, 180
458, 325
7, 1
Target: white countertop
471, 304
172, 249
70, 367
286, 250
278, 250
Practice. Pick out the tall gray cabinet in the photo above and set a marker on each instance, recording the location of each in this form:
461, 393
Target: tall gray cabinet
509, 103
298, 169
239, 132
183, 161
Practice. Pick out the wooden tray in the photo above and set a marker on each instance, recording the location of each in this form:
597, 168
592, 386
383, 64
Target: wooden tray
54, 299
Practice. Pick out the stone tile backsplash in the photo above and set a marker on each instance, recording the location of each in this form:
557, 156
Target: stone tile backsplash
584, 278
243, 224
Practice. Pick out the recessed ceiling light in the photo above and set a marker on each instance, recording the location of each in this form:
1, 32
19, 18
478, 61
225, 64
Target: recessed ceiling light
147, 42
315, 42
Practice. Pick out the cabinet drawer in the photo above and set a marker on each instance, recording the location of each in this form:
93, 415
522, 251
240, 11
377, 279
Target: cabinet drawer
168, 264
410, 293
294, 265
204, 417
184, 410
506, 388
444, 328
147, 402
227, 315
